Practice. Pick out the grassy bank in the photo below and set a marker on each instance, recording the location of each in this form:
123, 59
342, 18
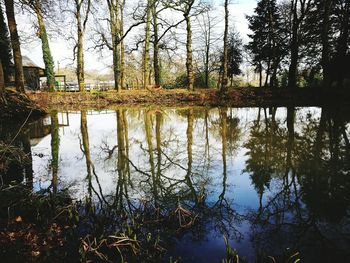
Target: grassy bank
205, 97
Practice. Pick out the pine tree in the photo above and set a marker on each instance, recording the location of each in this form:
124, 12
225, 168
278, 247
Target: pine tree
234, 54
5, 46
266, 44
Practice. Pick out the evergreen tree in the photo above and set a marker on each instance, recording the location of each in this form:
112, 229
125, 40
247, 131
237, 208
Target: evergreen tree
266, 45
5, 46
325, 37
234, 54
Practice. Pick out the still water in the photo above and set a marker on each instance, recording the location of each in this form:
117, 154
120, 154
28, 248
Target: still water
274, 180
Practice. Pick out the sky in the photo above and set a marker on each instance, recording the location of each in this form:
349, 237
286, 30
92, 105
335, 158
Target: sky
62, 51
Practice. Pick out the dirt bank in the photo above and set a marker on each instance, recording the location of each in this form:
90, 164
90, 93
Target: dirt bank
244, 97
16, 106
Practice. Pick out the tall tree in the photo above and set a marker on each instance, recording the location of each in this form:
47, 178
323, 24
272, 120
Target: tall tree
81, 16
207, 38
113, 38
5, 46
326, 10
156, 62
161, 29
16, 46
234, 54
113, 7
122, 46
224, 80
299, 10
266, 45
189, 62
342, 11
147, 43
37, 7
185, 7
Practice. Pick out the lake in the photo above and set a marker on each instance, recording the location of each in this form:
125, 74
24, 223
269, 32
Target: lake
274, 181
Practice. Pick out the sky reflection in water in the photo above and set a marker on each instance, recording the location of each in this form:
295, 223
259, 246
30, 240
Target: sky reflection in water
272, 178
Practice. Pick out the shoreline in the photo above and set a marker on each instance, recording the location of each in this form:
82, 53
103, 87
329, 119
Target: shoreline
243, 97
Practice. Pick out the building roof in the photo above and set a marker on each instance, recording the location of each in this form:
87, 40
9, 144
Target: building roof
27, 62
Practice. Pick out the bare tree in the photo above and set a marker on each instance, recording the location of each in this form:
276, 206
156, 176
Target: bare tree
224, 80
185, 7
147, 43
112, 38
122, 46
156, 65
81, 16
207, 39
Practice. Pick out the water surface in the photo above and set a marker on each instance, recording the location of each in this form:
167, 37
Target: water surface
273, 180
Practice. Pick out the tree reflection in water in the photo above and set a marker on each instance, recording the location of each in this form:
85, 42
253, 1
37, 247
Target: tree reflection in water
174, 174
308, 209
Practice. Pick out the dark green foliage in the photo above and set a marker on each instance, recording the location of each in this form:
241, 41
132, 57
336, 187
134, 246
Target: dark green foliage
199, 81
267, 45
325, 35
234, 55
48, 60
5, 46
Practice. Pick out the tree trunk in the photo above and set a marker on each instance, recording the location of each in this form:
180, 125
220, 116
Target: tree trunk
207, 66
292, 74
17, 55
113, 6
5, 46
299, 9
47, 57
207, 51
260, 75
273, 79
122, 47
157, 79
267, 73
80, 48
147, 41
225, 61
294, 47
189, 65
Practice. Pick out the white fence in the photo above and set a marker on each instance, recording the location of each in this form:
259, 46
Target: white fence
72, 87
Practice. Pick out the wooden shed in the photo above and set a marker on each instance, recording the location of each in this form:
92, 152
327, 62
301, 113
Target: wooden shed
32, 74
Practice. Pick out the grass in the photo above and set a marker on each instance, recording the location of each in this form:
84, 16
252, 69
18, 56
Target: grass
180, 97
